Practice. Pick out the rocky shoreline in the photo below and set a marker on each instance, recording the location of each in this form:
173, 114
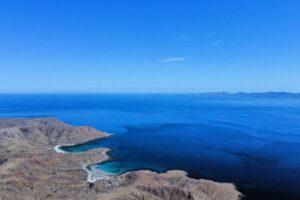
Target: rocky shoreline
30, 169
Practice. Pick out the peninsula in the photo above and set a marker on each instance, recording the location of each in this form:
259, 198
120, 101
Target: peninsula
30, 168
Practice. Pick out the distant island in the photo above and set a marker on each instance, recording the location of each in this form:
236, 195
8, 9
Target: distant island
253, 94
31, 167
249, 94
240, 94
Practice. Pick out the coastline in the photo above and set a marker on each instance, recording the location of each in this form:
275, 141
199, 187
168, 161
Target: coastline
33, 158
58, 150
109, 179
98, 175
92, 176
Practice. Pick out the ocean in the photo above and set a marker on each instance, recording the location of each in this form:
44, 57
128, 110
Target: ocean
251, 141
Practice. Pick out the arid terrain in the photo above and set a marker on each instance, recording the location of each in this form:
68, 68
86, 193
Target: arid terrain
31, 169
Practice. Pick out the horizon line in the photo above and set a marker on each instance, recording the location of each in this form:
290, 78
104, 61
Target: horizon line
220, 92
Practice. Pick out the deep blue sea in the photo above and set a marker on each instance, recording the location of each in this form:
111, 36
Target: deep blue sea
253, 142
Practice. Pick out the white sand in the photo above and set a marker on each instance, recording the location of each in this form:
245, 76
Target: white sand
57, 149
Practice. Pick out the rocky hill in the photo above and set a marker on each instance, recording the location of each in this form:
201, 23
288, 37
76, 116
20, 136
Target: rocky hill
30, 169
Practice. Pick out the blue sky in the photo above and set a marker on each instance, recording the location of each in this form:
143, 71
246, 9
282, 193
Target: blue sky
176, 46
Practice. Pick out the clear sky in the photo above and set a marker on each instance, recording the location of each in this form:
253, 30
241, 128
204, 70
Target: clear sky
149, 45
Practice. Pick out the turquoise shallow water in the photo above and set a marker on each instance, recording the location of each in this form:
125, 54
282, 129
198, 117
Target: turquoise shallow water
253, 142
116, 168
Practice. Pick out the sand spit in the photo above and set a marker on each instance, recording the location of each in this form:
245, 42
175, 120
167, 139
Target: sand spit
32, 166
58, 150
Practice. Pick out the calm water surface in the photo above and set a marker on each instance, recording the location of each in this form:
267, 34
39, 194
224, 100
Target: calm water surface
253, 142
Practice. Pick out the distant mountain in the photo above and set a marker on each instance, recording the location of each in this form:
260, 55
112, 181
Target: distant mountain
253, 94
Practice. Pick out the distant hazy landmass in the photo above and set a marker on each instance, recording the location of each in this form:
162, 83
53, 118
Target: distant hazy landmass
253, 94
